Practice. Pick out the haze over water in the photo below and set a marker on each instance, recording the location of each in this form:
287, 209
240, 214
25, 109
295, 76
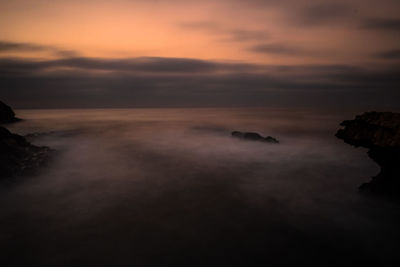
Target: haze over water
171, 187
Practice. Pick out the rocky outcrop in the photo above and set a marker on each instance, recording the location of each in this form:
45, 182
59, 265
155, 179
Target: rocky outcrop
254, 137
7, 115
380, 133
18, 156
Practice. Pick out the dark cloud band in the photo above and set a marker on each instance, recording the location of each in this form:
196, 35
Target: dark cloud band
82, 82
386, 24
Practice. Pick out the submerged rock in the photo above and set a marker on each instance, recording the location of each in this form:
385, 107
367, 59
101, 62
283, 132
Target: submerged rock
380, 132
7, 115
18, 156
254, 137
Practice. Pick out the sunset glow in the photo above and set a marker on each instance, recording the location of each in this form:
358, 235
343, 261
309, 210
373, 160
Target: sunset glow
358, 35
223, 30
199, 133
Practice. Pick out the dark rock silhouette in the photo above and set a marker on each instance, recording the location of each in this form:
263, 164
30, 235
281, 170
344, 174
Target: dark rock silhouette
254, 137
380, 132
18, 156
7, 115
30, 136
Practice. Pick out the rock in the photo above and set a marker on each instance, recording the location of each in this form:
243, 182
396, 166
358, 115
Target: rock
38, 134
254, 137
380, 133
18, 156
7, 115
271, 139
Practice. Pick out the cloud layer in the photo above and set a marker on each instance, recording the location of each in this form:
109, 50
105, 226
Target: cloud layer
209, 53
147, 81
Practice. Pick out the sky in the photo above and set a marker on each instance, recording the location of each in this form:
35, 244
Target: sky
176, 53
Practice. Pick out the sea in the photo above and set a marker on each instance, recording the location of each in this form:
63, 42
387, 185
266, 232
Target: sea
172, 187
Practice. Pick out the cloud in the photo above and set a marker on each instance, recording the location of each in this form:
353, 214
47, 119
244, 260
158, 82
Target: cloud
225, 33
386, 24
168, 69
81, 82
276, 48
13, 46
389, 54
240, 35
149, 65
324, 12
6, 46
200, 25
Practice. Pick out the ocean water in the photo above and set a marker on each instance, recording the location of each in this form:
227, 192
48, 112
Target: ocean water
171, 187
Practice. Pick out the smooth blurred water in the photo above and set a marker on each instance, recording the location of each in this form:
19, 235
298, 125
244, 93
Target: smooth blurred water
171, 187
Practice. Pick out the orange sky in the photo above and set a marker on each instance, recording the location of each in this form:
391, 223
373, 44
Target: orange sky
293, 31
153, 53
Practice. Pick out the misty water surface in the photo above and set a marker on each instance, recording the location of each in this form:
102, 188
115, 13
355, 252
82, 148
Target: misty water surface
170, 187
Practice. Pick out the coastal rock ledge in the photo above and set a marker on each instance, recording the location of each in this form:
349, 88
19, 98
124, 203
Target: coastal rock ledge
18, 156
7, 115
380, 133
